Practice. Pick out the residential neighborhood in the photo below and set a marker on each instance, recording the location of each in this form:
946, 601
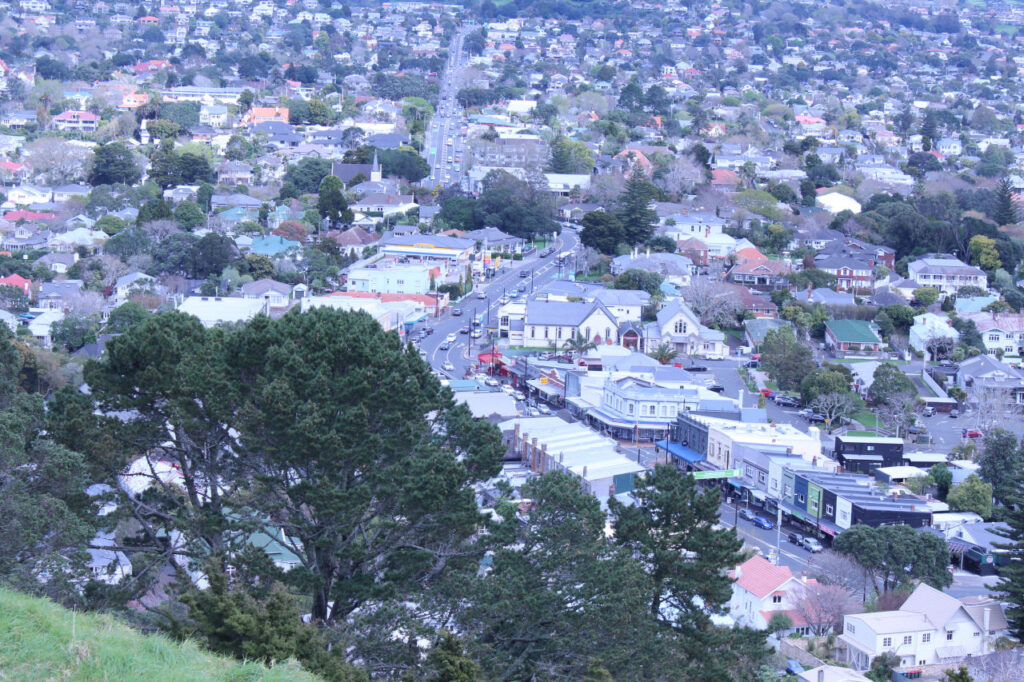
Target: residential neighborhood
422, 334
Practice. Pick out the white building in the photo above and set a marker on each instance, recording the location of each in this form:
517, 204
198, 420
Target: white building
214, 310
761, 589
929, 330
1001, 332
837, 202
945, 273
930, 627
550, 324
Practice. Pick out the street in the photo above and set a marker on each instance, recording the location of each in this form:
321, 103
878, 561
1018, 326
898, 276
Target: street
445, 138
461, 354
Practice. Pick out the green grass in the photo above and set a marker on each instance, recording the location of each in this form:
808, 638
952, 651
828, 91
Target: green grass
772, 385
866, 418
39, 640
861, 433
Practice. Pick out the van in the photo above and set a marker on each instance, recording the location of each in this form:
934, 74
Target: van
928, 411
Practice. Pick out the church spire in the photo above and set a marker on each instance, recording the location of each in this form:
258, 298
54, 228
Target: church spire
375, 173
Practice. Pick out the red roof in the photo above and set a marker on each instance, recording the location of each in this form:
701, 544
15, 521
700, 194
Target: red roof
760, 577
16, 281
724, 176
22, 214
749, 253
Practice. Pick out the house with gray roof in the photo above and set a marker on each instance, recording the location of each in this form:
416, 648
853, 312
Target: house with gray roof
946, 273
550, 324
678, 326
984, 377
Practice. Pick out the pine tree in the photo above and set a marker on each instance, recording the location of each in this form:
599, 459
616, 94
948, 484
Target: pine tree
1011, 575
635, 211
1006, 210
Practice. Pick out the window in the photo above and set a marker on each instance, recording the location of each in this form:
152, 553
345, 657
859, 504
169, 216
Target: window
993, 337
887, 641
558, 332
926, 637
949, 635
761, 477
607, 333
776, 598
870, 448
908, 639
851, 629
799, 498
545, 332
630, 408
829, 510
533, 332
977, 634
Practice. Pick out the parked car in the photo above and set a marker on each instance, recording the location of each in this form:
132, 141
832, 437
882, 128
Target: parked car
812, 545
464, 330
752, 364
796, 539
714, 356
477, 333
696, 368
543, 409
445, 345
456, 312
928, 411
767, 392
762, 522
972, 433
524, 273
491, 381
717, 388
518, 396
954, 413
786, 400
448, 367
747, 514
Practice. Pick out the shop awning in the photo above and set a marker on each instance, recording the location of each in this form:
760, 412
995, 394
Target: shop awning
612, 420
758, 495
680, 451
862, 458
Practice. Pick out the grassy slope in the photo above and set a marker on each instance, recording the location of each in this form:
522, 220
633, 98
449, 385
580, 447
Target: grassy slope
36, 644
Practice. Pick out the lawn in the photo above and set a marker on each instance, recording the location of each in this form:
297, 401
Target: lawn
866, 418
861, 433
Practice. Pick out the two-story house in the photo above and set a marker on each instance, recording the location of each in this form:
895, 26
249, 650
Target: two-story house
277, 294
678, 326
1001, 332
930, 627
760, 590
932, 334
945, 273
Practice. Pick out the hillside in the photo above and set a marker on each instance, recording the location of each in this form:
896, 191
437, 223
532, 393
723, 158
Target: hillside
36, 644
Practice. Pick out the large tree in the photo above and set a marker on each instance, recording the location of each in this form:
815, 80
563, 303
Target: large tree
113, 164
522, 208
359, 454
896, 555
1000, 463
672, 529
602, 231
635, 212
786, 360
330, 202
1011, 575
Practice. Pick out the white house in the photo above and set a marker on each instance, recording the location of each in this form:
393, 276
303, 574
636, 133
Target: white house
132, 282
761, 589
553, 323
945, 273
837, 202
214, 310
1001, 332
930, 627
277, 294
931, 331
680, 327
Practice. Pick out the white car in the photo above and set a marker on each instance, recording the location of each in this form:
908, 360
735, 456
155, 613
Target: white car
508, 389
448, 367
518, 396
477, 333
450, 338
543, 409
714, 356
491, 381
481, 295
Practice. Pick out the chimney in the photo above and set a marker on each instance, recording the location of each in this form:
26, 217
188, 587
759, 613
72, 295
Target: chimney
803, 577
771, 429
821, 674
738, 572
533, 454
544, 458
985, 619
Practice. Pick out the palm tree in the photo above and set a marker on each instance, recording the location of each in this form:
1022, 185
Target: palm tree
578, 345
664, 353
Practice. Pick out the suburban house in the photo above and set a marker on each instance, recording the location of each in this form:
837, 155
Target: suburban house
214, 310
760, 273
132, 282
852, 336
984, 377
258, 115
945, 273
678, 326
18, 282
276, 294
932, 333
492, 239
930, 627
853, 272
760, 590
553, 323
1001, 332
837, 202
385, 204
82, 121
864, 454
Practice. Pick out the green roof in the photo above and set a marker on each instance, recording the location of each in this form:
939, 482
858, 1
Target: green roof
852, 331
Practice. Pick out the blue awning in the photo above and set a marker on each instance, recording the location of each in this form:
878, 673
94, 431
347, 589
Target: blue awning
680, 451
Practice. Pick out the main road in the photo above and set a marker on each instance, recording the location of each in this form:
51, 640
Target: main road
462, 352
445, 137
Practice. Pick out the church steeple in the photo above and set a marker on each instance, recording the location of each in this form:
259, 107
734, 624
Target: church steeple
375, 174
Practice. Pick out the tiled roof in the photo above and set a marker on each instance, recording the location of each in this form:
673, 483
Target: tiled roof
760, 577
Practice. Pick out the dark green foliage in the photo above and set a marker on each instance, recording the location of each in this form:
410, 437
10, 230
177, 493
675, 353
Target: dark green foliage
1011, 575
602, 231
331, 202
943, 478
641, 280
785, 359
886, 551
448, 662
128, 243
185, 114
517, 207
154, 209
888, 384
1000, 464
1005, 208
307, 174
74, 331
821, 382
637, 217
819, 279
113, 164
125, 316
322, 393
189, 215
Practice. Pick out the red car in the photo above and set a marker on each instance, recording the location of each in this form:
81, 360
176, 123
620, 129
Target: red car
972, 433
767, 392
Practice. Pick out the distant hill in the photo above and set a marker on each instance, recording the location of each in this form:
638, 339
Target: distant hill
36, 644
